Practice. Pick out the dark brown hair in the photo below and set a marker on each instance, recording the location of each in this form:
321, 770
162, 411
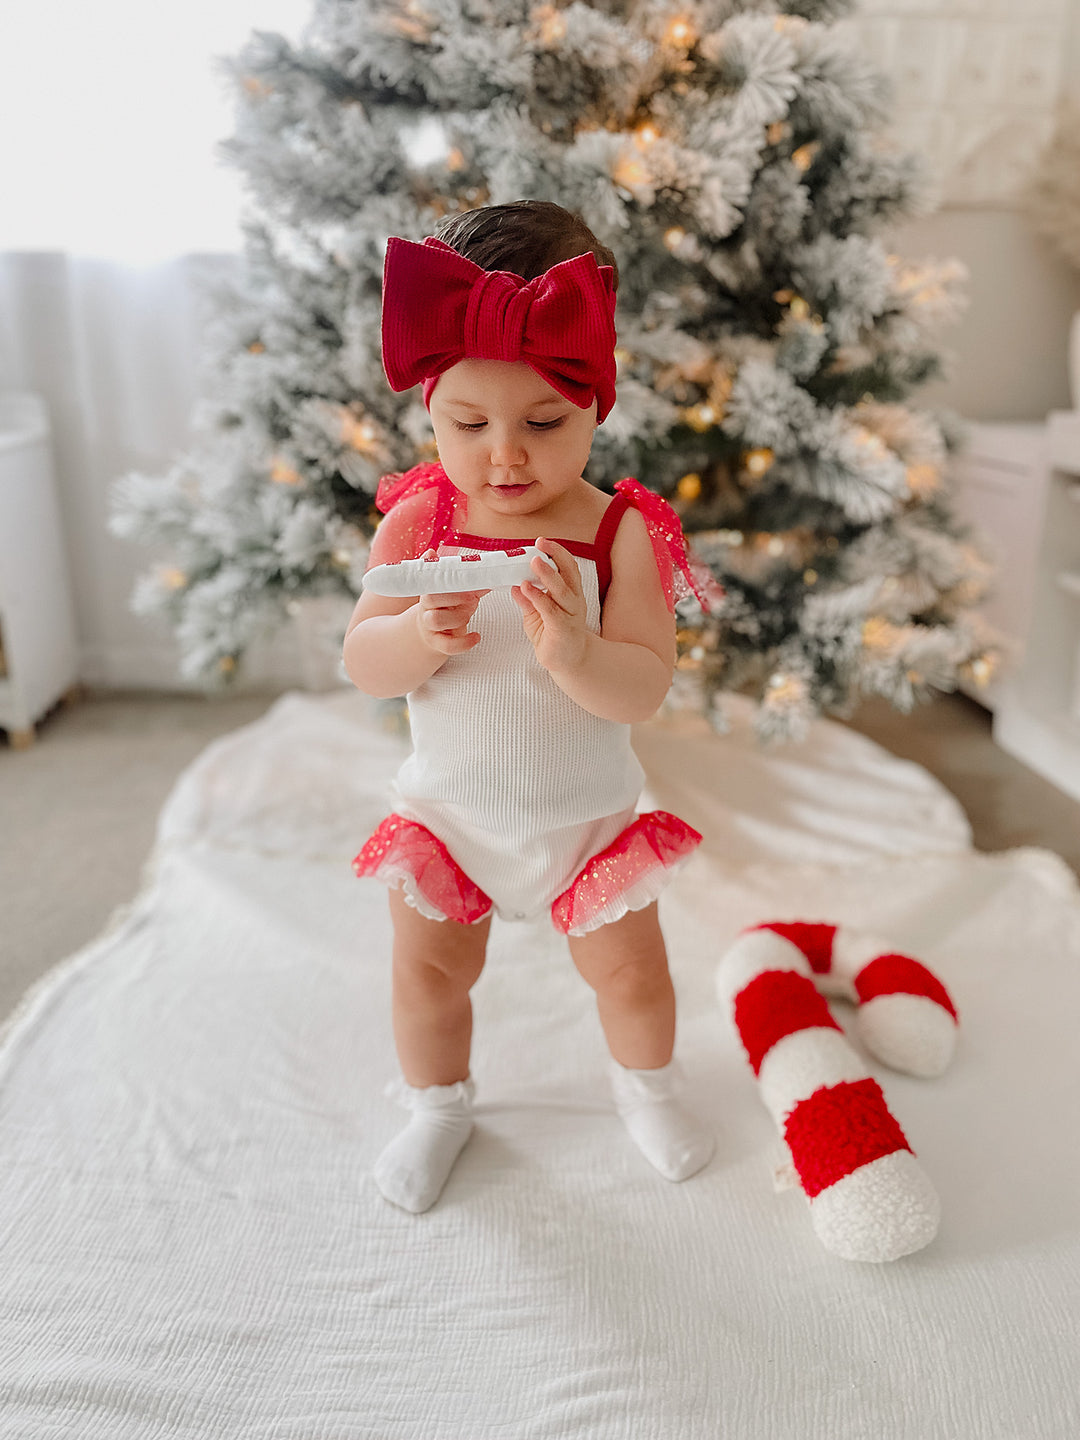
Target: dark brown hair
525, 237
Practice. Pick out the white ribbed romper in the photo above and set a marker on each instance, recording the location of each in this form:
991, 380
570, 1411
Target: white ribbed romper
520, 783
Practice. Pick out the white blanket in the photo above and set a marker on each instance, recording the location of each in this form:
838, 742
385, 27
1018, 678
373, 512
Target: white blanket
190, 1108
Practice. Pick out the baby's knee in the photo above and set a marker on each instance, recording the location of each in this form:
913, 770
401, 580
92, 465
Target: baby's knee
437, 974
444, 966
637, 981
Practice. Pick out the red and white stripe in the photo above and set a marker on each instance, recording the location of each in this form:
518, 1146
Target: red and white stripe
870, 1199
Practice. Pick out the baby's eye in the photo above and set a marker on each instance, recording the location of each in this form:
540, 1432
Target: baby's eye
533, 424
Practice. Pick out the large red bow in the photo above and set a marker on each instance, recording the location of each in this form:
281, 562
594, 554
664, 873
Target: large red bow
439, 308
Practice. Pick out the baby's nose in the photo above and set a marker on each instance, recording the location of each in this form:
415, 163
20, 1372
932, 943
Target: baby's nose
505, 450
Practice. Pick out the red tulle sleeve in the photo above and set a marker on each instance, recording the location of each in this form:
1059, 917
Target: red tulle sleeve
681, 572
431, 522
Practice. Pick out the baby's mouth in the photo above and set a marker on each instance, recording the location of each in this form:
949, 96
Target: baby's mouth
512, 489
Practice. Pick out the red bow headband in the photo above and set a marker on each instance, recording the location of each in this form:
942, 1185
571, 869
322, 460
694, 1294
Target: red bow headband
439, 308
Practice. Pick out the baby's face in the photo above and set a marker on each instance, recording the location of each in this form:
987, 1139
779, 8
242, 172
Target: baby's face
507, 439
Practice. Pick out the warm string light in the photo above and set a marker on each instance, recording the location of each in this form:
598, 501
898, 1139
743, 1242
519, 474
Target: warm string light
803, 157
919, 284
758, 462
679, 34
550, 24
629, 172
256, 348
414, 24
880, 635
783, 690
701, 417
171, 578
981, 669
871, 443
923, 479
359, 432
696, 646
709, 412
282, 473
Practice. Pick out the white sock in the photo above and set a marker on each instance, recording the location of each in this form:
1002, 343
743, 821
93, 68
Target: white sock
666, 1134
415, 1166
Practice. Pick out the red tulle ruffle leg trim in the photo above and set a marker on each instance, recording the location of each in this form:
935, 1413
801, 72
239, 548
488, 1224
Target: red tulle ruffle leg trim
628, 875
406, 853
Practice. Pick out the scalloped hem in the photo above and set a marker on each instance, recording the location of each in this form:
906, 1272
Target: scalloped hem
628, 875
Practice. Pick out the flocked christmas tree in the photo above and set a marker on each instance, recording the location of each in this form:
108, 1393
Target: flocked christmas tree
731, 157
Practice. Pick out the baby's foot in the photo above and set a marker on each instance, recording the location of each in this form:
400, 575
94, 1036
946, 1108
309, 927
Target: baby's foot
663, 1130
415, 1166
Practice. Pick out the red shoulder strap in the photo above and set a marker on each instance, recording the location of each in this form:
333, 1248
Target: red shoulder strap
603, 540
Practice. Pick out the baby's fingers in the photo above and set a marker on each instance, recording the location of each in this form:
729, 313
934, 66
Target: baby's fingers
467, 599
454, 644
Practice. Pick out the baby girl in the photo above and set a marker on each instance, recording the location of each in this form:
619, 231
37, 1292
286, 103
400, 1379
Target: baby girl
519, 796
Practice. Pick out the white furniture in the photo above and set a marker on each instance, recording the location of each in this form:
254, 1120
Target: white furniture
38, 654
999, 486
1037, 708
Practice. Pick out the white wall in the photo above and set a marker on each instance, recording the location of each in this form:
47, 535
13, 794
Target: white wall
1006, 358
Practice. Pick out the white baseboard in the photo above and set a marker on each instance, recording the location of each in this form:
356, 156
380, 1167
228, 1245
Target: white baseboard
1048, 747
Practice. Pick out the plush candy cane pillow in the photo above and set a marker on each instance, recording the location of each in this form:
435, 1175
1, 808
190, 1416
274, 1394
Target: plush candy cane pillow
870, 1199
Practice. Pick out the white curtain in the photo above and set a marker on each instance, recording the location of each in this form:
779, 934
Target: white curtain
113, 210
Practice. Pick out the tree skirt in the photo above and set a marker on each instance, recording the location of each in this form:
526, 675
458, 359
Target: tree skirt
190, 1110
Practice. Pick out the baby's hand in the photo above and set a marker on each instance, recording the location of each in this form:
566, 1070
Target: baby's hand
442, 620
554, 615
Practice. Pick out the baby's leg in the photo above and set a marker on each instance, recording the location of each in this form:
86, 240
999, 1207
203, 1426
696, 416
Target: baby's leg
625, 962
436, 963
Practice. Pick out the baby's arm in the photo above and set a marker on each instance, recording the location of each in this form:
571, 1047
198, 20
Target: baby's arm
624, 672
393, 645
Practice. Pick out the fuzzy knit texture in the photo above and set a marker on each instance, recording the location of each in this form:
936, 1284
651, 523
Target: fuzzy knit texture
869, 1197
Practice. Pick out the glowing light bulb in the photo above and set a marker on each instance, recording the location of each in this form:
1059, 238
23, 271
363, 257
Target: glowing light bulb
680, 33
759, 461
284, 474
